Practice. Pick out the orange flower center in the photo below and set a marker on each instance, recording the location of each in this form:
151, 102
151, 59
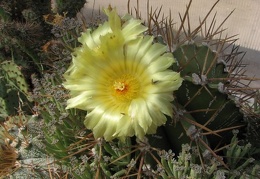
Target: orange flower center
126, 88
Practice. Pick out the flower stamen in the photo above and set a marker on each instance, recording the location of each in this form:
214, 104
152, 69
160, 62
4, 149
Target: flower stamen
125, 88
119, 86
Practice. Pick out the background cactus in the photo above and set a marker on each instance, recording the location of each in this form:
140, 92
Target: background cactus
19, 145
61, 6
26, 30
200, 142
14, 90
8, 159
63, 136
204, 93
212, 99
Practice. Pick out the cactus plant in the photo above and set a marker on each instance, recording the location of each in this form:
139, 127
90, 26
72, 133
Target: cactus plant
62, 135
21, 156
61, 6
199, 142
14, 89
202, 94
8, 159
22, 27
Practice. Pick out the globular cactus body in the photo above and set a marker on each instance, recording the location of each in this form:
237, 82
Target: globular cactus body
202, 94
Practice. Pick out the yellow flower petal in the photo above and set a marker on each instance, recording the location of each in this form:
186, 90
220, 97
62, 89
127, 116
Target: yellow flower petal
140, 114
114, 19
132, 28
161, 63
123, 31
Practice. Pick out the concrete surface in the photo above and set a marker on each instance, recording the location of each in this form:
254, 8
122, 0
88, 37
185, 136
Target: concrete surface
244, 21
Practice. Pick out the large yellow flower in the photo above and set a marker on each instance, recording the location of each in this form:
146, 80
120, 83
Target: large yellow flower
122, 79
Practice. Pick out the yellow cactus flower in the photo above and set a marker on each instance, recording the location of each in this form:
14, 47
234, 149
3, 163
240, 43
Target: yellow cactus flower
122, 79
